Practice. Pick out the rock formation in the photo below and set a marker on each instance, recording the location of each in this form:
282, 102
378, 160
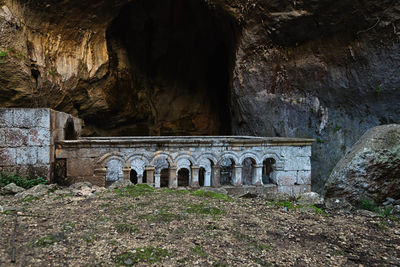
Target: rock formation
325, 69
371, 169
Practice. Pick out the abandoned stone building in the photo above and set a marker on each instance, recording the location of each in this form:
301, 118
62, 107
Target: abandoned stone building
47, 143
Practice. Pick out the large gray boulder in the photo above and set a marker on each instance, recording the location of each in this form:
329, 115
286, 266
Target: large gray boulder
371, 169
12, 189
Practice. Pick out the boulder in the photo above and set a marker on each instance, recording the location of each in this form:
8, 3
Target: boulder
370, 170
338, 204
310, 198
120, 184
36, 191
396, 210
12, 189
81, 185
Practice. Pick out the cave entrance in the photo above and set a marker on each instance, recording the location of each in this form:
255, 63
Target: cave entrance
173, 62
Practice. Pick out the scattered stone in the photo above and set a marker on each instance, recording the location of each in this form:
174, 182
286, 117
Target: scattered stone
310, 198
370, 169
396, 202
1, 208
12, 189
120, 184
36, 191
388, 201
62, 192
80, 185
337, 204
367, 213
277, 196
395, 210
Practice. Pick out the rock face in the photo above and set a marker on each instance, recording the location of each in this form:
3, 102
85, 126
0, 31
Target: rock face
324, 69
371, 169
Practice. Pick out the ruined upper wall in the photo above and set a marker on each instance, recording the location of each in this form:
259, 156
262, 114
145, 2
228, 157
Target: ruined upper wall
27, 138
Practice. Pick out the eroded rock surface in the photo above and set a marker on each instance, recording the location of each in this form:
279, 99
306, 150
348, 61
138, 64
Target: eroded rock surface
371, 170
323, 69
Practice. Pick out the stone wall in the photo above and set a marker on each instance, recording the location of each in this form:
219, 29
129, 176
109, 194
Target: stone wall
99, 160
27, 139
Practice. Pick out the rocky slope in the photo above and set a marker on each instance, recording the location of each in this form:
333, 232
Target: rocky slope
324, 69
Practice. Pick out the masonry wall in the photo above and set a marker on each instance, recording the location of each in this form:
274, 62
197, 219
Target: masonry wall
28, 137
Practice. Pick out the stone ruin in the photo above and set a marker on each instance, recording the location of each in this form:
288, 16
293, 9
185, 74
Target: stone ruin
43, 142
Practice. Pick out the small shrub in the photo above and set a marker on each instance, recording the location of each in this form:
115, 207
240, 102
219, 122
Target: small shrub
210, 194
146, 254
3, 54
367, 204
26, 183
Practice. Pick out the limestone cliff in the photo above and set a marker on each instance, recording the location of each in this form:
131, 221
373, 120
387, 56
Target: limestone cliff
325, 69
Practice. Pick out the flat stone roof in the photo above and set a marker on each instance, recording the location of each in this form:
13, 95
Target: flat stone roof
188, 140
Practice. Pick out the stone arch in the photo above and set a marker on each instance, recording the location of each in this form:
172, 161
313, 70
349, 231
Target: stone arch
113, 169
230, 155
102, 161
185, 156
161, 155
250, 155
279, 162
209, 156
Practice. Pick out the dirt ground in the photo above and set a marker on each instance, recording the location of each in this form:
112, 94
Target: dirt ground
141, 226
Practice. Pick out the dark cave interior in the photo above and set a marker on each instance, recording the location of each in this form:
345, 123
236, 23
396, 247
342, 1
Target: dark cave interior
173, 62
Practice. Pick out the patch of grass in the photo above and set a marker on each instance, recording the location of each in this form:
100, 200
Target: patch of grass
210, 194
386, 212
68, 226
262, 247
29, 198
197, 250
134, 191
49, 240
336, 128
26, 183
320, 141
367, 204
52, 73
146, 254
122, 209
88, 238
284, 204
123, 228
204, 209
63, 196
174, 191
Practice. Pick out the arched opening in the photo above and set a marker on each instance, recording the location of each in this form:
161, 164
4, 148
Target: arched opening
164, 178
248, 171
134, 177
202, 174
227, 168
114, 171
179, 55
268, 168
69, 130
183, 177
144, 177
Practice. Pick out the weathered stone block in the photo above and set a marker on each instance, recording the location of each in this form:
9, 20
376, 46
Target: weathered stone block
298, 164
26, 156
2, 137
294, 190
304, 178
43, 155
285, 177
38, 137
7, 156
296, 151
80, 167
16, 137
25, 118
6, 117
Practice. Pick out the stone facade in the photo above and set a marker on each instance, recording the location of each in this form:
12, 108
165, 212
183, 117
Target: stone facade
105, 160
28, 137
46, 143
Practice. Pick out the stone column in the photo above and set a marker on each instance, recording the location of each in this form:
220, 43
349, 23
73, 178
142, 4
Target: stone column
195, 177
100, 177
140, 179
126, 173
257, 174
207, 179
238, 181
173, 180
216, 170
157, 180
150, 175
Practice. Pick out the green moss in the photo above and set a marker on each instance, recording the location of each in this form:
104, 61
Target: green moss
146, 254
210, 194
198, 250
367, 204
49, 240
204, 209
134, 191
29, 198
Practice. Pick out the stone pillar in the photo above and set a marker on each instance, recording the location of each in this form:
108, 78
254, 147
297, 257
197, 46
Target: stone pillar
216, 170
150, 175
173, 180
126, 173
238, 175
207, 179
140, 179
195, 177
157, 180
100, 177
257, 174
